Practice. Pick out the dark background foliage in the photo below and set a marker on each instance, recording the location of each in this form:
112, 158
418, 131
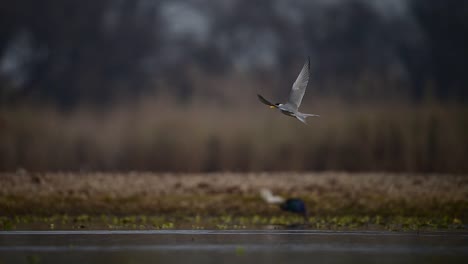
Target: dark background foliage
66, 52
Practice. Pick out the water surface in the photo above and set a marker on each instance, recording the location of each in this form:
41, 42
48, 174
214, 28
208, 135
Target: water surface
214, 246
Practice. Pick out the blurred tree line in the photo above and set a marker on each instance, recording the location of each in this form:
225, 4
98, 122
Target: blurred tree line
67, 52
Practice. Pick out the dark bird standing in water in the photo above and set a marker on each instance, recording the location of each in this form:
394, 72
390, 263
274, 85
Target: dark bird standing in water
293, 205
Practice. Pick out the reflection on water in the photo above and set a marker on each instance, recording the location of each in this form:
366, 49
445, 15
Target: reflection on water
187, 246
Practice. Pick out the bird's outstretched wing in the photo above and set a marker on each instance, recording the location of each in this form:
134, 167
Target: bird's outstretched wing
299, 86
265, 101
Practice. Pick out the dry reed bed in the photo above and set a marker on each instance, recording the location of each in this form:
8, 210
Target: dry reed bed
327, 193
163, 136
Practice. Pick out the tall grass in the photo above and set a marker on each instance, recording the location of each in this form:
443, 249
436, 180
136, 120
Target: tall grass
161, 135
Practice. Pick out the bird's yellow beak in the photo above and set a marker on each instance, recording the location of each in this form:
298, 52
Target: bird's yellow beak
271, 106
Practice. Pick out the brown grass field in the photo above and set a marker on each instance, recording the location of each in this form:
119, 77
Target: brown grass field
177, 198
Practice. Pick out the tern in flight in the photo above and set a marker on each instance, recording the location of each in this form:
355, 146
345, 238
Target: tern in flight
291, 107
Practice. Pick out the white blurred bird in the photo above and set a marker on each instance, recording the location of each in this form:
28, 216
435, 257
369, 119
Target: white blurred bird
291, 107
268, 196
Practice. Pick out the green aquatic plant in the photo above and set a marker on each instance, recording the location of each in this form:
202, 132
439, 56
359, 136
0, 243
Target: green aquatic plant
240, 250
6, 223
169, 225
222, 226
82, 218
33, 259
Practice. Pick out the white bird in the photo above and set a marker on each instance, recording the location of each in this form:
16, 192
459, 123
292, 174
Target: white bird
268, 196
291, 107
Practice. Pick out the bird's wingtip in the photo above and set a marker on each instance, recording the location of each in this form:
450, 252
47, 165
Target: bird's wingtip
265, 101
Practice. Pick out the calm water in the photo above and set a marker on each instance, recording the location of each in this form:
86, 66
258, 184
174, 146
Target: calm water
187, 246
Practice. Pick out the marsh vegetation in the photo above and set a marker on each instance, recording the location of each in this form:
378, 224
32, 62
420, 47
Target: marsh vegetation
338, 201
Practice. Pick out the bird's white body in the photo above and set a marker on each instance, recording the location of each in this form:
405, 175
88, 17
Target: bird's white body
290, 111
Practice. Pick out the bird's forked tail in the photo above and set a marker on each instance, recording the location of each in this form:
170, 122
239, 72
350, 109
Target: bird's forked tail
302, 117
